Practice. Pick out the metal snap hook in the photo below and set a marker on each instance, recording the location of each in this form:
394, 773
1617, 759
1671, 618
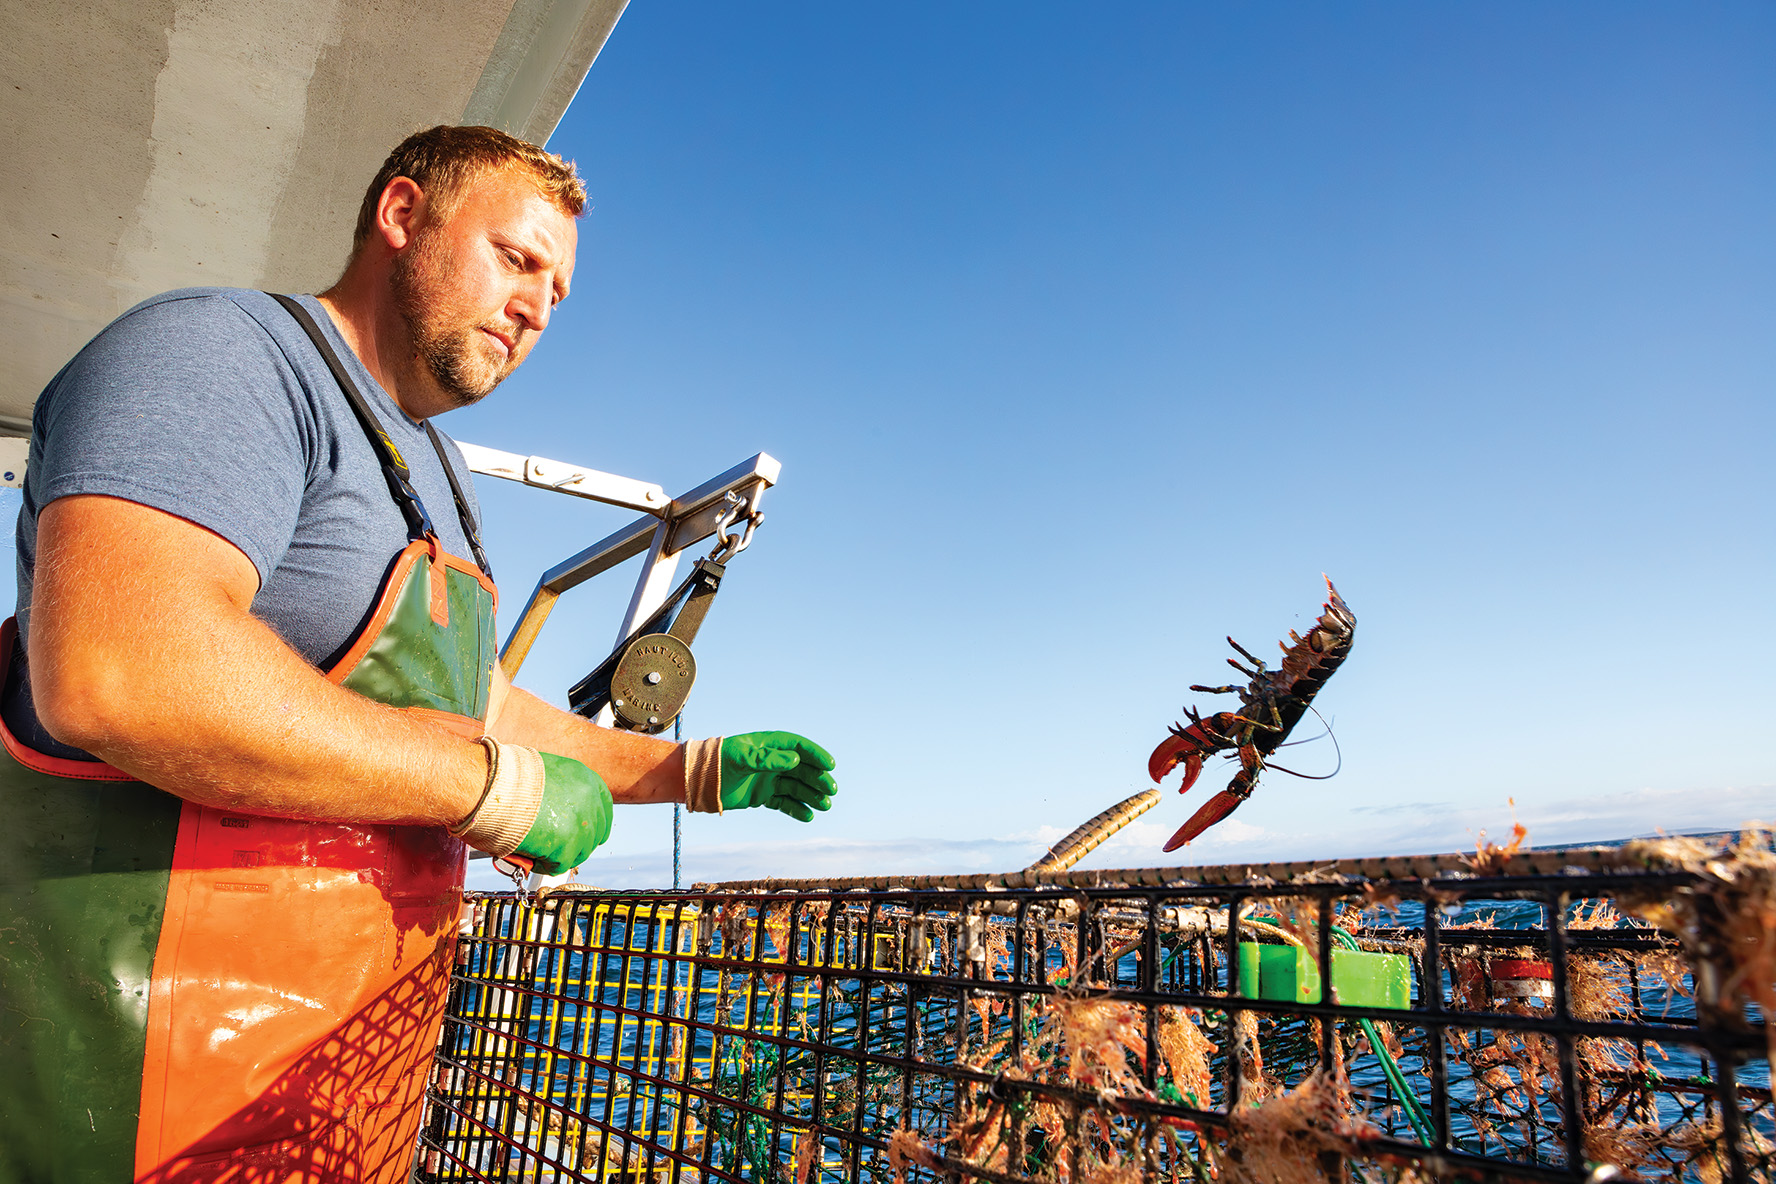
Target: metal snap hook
730, 543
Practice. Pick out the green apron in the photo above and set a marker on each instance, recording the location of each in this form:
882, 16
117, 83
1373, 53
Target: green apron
196, 994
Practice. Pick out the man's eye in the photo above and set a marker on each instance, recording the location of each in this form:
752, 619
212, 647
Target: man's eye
514, 258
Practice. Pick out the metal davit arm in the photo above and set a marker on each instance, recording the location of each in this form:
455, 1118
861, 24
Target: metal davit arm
666, 529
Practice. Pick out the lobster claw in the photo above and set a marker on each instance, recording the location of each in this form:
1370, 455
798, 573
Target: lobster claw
1212, 811
1173, 751
1188, 746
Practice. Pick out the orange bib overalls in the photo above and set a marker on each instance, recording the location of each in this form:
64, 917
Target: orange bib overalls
196, 994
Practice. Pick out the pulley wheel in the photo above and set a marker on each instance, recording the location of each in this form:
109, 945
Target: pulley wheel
651, 682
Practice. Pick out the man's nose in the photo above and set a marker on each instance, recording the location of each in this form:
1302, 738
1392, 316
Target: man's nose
532, 302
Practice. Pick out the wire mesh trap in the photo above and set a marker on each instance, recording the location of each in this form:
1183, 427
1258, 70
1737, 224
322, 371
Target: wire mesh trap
1546, 1016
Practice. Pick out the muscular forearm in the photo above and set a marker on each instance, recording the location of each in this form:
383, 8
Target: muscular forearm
637, 768
140, 660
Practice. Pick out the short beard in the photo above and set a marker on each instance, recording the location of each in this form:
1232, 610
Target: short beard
440, 342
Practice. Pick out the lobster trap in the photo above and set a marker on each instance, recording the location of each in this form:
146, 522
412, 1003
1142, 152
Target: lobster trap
1573, 1015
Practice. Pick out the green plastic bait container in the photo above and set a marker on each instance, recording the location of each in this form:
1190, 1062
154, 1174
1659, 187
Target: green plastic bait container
1289, 974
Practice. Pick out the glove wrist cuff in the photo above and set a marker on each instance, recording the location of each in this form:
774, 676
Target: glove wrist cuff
509, 804
703, 775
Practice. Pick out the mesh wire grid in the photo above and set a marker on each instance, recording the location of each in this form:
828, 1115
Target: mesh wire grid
1508, 1027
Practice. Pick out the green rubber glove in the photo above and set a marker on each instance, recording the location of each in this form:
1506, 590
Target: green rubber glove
781, 770
574, 817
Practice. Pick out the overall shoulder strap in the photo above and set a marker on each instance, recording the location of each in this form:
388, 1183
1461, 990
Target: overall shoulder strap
393, 465
394, 468
462, 503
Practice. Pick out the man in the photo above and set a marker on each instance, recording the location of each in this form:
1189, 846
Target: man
252, 712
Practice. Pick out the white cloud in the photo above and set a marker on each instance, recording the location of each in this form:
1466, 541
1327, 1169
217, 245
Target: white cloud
1414, 828
1406, 828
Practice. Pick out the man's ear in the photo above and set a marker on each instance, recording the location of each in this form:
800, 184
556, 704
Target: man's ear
399, 212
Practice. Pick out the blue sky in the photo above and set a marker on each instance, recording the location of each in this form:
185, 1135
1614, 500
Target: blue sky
1085, 343
1089, 335
1087, 340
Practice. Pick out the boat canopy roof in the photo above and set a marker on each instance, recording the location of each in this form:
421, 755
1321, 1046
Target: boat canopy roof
168, 143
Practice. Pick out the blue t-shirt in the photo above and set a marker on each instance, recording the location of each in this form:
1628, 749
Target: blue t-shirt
213, 404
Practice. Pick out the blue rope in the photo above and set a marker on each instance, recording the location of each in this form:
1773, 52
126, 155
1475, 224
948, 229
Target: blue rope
677, 725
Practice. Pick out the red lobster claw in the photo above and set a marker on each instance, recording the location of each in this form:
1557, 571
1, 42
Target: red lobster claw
1174, 750
1213, 811
1203, 738
1188, 747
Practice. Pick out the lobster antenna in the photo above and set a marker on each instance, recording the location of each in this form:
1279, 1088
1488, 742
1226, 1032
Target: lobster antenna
1335, 748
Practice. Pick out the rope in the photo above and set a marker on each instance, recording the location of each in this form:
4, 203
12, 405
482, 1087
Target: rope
1090, 834
1421, 1122
677, 731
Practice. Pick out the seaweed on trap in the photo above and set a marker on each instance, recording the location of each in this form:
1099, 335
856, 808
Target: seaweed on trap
1086, 1028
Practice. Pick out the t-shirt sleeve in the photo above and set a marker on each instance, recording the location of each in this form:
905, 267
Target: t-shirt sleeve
187, 406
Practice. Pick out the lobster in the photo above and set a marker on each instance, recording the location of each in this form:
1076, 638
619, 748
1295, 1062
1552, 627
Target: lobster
1271, 704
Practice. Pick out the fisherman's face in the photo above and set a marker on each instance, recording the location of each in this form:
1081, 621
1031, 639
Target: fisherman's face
476, 289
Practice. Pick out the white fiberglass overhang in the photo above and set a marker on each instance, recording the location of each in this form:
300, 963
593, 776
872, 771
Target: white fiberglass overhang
156, 144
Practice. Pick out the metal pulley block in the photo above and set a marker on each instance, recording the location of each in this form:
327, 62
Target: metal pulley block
651, 682
647, 678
